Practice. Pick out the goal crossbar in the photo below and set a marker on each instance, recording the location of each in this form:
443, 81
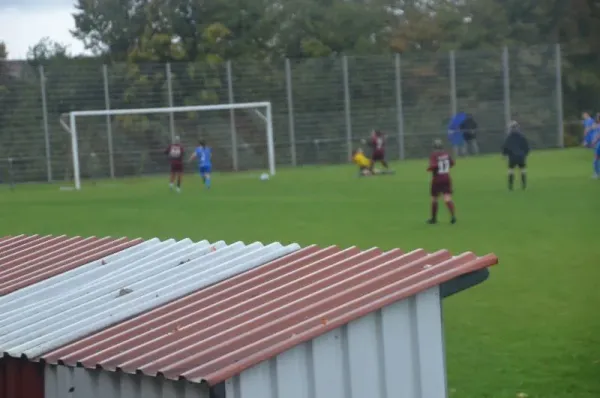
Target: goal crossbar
191, 108
174, 109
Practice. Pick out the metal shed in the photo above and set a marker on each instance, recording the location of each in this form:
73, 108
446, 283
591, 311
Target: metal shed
316, 323
103, 282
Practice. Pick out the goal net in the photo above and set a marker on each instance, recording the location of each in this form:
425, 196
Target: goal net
131, 142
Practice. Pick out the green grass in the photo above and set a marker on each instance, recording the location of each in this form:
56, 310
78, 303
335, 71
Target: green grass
534, 327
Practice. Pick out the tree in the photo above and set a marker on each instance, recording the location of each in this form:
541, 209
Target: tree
110, 26
4, 79
46, 50
3, 52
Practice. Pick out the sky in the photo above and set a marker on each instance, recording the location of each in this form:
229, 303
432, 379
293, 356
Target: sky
24, 22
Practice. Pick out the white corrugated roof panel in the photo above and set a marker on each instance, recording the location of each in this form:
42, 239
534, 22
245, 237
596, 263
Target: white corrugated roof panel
56, 311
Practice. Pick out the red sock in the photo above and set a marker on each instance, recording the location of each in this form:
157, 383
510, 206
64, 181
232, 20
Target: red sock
434, 210
450, 205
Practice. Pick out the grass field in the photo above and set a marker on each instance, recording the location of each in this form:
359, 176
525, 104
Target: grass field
533, 328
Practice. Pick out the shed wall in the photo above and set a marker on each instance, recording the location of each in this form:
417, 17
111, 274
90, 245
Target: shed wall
21, 379
62, 381
397, 351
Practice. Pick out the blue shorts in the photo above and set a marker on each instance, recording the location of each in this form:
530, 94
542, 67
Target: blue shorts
590, 137
204, 169
457, 138
597, 149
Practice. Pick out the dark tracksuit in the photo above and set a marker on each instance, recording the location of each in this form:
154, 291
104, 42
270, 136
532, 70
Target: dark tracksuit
516, 148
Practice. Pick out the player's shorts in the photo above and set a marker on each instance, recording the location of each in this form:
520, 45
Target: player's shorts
177, 167
204, 169
456, 138
441, 188
589, 138
378, 155
597, 149
517, 161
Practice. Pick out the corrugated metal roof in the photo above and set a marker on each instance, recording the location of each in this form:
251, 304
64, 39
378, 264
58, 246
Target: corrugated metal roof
26, 260
74, 304
221, 330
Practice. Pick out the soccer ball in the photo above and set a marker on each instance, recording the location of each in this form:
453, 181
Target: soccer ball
264, 177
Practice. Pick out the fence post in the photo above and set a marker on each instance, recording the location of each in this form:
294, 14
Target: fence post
347, 105
290, 103
111, 157
399, 107
506, 83
170, 100
234, 148
453, 100
45, 121
559, 98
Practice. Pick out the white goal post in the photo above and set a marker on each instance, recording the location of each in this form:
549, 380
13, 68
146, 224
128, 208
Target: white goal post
267, 118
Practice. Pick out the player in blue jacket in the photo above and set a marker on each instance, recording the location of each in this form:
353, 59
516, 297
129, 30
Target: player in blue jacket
455, 134
596, 144
589, 130
203, 154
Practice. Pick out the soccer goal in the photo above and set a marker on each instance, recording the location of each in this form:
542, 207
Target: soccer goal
128, 142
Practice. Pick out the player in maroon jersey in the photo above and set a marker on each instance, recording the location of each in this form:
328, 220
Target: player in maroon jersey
377, 142
440, 163
175, 154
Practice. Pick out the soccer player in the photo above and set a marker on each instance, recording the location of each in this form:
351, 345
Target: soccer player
366, 167
203, 154
516, 148
469, 129
175, 154
455, 134
378, 146
589, 138
440, 163
596, 146
588, 129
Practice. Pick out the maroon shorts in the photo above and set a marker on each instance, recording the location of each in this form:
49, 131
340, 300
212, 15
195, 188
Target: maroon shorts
378, 155
176, 167
441, 188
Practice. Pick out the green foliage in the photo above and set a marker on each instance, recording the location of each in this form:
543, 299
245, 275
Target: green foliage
3, 52
217, 30
4, 90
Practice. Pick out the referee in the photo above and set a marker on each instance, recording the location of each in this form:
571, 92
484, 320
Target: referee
516, 148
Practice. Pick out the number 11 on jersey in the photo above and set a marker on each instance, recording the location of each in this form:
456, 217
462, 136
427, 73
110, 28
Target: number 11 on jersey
443, 166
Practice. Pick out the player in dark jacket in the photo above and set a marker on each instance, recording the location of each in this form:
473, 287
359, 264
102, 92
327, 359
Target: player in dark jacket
469, 129
516, 148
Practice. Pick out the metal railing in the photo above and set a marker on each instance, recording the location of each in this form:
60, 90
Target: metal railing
321, 108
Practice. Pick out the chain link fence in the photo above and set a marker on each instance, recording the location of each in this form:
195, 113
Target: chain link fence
321, 108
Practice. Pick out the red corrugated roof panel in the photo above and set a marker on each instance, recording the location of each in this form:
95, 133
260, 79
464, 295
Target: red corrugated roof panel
221, 330
25, 260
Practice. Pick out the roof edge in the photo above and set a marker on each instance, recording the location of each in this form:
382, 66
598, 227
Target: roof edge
479, 263
464, 282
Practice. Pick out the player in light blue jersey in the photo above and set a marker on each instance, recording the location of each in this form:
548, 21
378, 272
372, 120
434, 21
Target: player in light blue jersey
596, 146
203, 154
589, 130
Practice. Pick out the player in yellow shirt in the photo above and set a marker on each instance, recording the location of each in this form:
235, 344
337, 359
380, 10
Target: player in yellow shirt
359, 159
365, 165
